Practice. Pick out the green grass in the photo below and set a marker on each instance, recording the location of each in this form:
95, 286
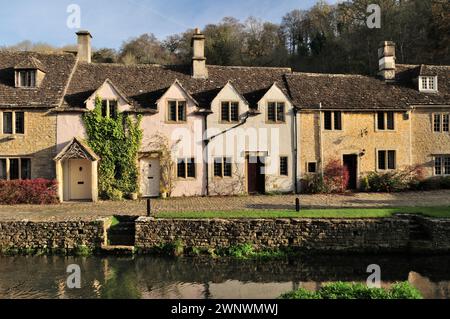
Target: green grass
437, 212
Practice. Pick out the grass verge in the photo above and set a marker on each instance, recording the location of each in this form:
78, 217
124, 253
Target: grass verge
436, 212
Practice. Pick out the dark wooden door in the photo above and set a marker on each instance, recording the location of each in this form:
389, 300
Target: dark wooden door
351, 164
255, 175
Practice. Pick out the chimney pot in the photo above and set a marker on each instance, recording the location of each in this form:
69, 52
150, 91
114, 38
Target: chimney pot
84, 46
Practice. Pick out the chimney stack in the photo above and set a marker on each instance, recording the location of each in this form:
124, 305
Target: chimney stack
199, 69
386, 56
84, 46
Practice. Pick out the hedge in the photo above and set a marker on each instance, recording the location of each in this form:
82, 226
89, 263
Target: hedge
36, 191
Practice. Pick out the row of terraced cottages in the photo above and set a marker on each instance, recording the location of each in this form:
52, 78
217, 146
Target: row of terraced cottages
232, 130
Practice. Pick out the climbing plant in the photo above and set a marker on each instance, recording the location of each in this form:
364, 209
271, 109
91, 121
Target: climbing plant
117, 142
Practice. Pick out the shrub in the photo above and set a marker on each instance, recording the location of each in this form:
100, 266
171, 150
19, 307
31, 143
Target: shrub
340, 290
37, 191
435, 183
335, 180
395, 181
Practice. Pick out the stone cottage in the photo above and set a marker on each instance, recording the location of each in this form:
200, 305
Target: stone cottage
231, 130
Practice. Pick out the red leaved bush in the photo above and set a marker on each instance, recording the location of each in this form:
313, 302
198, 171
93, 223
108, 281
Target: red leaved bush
35, 191
336, 177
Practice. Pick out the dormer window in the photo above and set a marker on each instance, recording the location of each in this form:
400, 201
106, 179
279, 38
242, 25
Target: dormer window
428, 84
109, 109
26, 78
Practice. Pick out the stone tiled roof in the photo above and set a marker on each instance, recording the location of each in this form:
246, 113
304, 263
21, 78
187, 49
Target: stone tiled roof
145, 84
30, 62
357, 92
58, 68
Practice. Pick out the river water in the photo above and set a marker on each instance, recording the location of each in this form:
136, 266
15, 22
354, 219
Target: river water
155, 277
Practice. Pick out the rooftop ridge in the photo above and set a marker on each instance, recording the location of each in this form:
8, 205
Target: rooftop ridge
333, 75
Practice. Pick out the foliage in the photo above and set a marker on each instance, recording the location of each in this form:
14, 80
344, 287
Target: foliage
117, 142
36, 191
395, 181
160, 144
434, 183
340, 290
334, 180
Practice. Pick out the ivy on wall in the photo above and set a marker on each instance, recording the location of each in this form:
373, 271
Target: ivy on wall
117, 142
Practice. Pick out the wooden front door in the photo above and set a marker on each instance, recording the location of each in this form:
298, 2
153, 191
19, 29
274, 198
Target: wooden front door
351, 164
80, 180
150, 177
255, 175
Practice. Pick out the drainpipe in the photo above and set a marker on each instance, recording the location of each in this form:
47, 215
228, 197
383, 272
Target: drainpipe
295, 151
206, 153
320, 139
411, 113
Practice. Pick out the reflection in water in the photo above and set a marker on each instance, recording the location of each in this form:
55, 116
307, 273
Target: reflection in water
152, 277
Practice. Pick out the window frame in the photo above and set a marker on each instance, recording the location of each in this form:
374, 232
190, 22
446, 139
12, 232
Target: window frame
287, 166
442, 123
385, 121
308, 167
177, 111
442, 158
229, 111
20, 159
224, 160
187, 162
332, 121
386, 160
425, 84
108, 108
13, 123
32, 80
276, 113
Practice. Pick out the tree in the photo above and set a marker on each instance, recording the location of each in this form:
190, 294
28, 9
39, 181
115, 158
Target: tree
105, 55
145, 49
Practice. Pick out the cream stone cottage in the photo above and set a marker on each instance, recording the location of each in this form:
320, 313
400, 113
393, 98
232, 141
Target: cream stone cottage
231, 130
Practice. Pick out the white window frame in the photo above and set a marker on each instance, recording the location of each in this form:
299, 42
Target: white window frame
441, 122
187, 161
108, 106
33, 79
387, 169
442, 157
428, 84
13, 123
8, 173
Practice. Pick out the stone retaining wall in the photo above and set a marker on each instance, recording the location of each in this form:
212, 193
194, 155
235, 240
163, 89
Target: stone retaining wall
345, 235
47, 235
438, 231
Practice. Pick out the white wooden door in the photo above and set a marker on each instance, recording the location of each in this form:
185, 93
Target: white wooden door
150, 177
80, 180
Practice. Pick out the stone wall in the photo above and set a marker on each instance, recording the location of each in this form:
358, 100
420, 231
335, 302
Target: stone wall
47, 235
352, 235
38, 143
438, 231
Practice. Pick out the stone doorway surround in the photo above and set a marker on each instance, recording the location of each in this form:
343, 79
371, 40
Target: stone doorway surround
78, 152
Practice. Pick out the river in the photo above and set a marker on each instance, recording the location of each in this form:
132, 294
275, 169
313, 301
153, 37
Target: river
200, 278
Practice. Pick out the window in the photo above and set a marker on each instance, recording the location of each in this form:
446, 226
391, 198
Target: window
3, 168
442, 165
7, 122
312, 167
109, 109
230, 112
223, 167
387, 160
284, 166
177, 111
26, 78
15, 168
332, 121
385, 121
441, 122
13, 123
186, 168
428, 83
276, 112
